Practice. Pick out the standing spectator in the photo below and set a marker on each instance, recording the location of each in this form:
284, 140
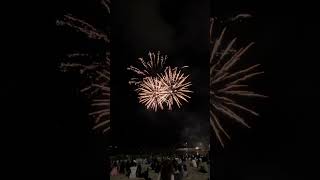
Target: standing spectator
185, 170
133, 170
114, 171
194, 163
139, 171
179, 173
167, 171
122, 167
128, 171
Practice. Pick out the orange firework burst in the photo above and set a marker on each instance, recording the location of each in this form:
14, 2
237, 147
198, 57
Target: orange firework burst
148, 68
226, 83
176, 86
160, 87
97, 73
151, 93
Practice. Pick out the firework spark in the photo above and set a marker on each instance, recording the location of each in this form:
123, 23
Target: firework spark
148, 68
151, 93
160, 87
225, 82
97, 73
176, 86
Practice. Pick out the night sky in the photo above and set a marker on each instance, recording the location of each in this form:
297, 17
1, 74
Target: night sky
269, 150
178, 31
36, 94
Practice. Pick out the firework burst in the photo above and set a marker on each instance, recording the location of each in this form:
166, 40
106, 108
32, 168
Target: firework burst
151, 93
148, 68
96, 74
176, 86
226, 83
159, 86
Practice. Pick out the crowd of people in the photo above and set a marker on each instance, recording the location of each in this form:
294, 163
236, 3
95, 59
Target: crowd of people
166, 168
